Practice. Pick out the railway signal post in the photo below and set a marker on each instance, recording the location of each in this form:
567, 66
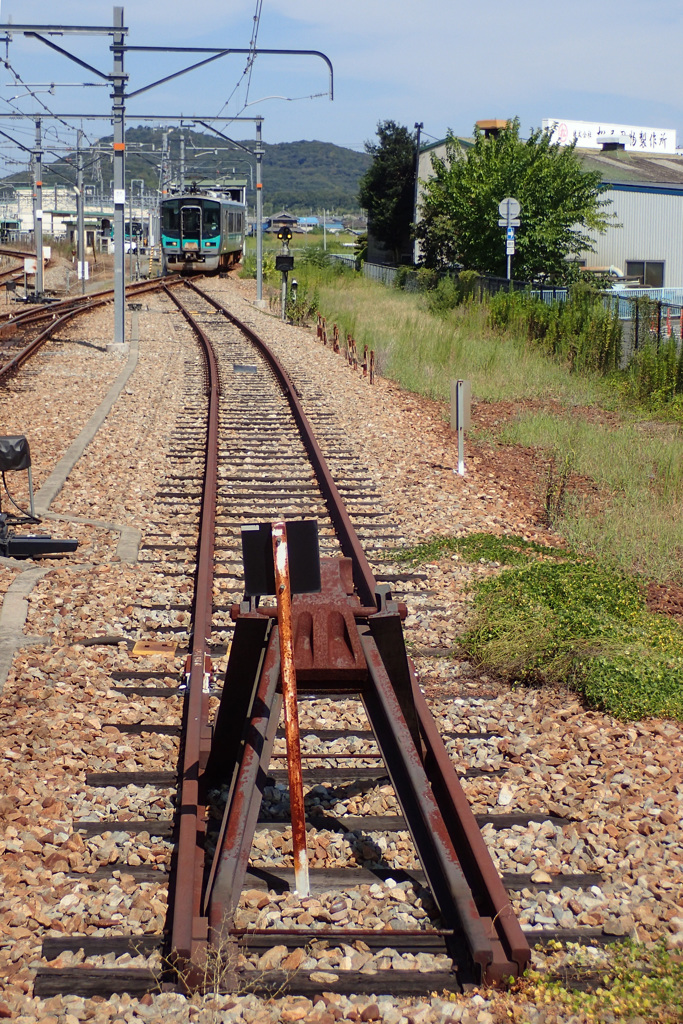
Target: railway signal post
284, 263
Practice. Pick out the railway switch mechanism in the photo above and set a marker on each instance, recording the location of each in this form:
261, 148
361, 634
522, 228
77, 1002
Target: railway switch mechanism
15, 455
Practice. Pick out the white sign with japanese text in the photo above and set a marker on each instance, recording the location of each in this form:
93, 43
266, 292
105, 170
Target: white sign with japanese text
592, 135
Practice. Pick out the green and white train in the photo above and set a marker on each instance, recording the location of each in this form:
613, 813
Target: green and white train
202, 230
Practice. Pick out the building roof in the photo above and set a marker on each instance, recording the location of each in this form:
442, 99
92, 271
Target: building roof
627, 166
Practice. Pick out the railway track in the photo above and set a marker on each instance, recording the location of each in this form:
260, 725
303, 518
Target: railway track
21, 336
234, 918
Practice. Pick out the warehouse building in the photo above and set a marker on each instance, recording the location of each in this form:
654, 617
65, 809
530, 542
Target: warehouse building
645, 190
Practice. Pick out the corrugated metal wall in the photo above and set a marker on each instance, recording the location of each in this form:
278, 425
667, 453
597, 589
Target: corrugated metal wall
652, 230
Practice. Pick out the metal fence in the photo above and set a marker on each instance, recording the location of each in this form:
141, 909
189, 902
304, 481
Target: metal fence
647, 315
380, 272
341, 257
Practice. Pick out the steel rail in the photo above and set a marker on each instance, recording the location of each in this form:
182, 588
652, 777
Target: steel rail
363, 577
19, 253
188, 926
495, 938
74, 307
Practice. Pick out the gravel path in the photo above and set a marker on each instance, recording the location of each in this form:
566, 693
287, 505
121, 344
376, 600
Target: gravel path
622, 784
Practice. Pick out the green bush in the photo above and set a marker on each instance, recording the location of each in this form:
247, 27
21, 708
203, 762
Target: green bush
248, 266
427, 278
304, 308
655, 373
445, 297
314, 256
582, 624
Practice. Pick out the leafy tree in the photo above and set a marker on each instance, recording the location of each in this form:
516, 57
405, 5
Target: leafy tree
387, 188
559, 203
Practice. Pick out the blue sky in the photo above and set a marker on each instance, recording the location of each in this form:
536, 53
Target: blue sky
437, 61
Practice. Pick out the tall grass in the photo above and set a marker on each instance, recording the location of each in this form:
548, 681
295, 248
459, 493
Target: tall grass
633, 522
423, 350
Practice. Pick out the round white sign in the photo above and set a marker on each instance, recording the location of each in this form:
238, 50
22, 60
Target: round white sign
509, 207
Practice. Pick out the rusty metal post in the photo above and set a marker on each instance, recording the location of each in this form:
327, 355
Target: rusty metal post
288, 679
372, 366
365, 360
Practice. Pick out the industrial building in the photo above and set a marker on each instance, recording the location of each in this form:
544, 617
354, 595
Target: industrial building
645, 190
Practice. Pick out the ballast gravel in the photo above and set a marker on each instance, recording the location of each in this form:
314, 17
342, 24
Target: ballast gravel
620, 784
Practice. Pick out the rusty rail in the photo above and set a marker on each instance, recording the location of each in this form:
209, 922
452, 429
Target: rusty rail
71, 308
456, 861
348, 538
189, 927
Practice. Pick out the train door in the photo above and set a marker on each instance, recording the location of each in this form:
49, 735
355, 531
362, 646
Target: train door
191, 228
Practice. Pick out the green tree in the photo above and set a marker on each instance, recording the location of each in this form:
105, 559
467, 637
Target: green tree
559, 203
388, 186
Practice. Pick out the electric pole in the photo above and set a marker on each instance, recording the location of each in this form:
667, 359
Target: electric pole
118, 80
418, 128
259, 213
80, 218
38, 209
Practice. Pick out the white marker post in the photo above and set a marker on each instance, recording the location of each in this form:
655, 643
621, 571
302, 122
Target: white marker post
461, 399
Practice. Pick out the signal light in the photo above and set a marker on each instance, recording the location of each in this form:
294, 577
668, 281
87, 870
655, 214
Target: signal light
285, 233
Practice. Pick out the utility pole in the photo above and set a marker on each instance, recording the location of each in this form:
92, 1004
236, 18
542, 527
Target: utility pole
118, 80
182, 161
162, 172
258, 150
418, 128
38, 209
80, 218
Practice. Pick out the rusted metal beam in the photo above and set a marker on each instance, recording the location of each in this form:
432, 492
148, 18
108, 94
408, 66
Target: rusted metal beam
241, 812
483, 878
189, 928
424, 819
288, 681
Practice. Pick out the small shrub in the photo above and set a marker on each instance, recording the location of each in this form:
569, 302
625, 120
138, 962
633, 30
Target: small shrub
467, 284
445, 297
475, 547
427, 278
584, 625
304, 308
629, 981
655, 373
314, 256
248, 266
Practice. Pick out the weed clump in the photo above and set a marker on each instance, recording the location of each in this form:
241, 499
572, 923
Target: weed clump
585, 625
636, 982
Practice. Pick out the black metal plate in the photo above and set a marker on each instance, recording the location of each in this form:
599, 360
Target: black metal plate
304, 558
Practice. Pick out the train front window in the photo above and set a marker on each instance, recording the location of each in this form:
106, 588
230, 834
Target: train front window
212, 221
170, 218
191, 222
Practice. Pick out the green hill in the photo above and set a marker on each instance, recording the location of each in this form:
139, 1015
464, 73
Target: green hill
303, 177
